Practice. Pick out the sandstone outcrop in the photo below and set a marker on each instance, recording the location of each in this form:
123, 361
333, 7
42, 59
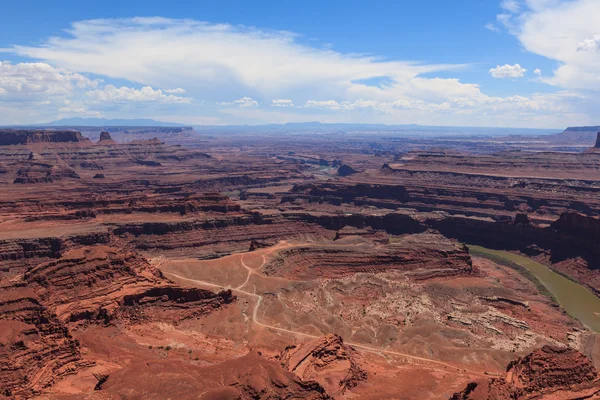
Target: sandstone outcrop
101, 283
422, 256
257, 378
106, 139
336, 366
23, 137
346, 170
41, 172
547, 373
36, 349
19, 253
96, 285
569, 244
248, 377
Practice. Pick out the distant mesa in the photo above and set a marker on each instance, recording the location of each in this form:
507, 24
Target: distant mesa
10, 137
596, 148
106, 139
105, 136
345, 170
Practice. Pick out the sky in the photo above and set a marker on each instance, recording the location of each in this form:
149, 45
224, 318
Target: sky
505, 63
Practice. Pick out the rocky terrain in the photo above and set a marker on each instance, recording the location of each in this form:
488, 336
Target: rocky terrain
23, 137
165, 263
327, 360
547, 373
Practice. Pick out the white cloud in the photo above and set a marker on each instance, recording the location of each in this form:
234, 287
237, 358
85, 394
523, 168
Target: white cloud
282, 103
207, 57
244, 102
39, 79
175, 91
564, 31
330, 104
110, 93
512, 6
537, 71
217, 62
591, 44
508, 71
476, 106
345, 105
491, 27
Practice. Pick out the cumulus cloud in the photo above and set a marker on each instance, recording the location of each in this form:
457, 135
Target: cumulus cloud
460, 103
330, 104
491, 27
175, 91
591, 44
282, 103
244, 102
209, 57
564, 31
39, 79
219, 62
508, 71
537, 71
512, 6
110, 93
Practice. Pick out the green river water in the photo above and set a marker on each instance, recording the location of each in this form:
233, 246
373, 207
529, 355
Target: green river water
577, 300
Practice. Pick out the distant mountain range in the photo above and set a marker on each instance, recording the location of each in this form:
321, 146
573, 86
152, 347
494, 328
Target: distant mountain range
107, 122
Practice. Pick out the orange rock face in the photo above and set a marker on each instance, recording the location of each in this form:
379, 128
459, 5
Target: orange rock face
547, 373
36, 348
336, 366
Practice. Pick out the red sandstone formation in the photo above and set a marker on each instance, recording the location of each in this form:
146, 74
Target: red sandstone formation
43, 172
124, 286
95, 285
547, 373
23, 137
336, 366
346, 170
422, 255
36, 349
246, 378
106, 139
372, 255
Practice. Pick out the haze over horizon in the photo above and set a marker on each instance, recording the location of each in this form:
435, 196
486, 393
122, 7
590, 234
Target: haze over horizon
510, 63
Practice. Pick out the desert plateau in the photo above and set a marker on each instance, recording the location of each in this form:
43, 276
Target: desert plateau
248, 267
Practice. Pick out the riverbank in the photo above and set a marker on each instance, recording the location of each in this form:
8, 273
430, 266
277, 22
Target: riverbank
577, 300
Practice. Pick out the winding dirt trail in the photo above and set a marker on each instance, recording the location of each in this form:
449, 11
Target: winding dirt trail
259, 299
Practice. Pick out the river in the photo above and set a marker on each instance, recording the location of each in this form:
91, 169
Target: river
577, 300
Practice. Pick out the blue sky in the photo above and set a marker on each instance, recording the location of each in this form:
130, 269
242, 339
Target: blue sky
430, 62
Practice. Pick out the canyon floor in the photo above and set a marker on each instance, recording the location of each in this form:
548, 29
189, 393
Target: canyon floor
223, 266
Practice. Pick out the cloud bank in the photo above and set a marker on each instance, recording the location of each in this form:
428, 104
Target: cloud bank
239, 74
